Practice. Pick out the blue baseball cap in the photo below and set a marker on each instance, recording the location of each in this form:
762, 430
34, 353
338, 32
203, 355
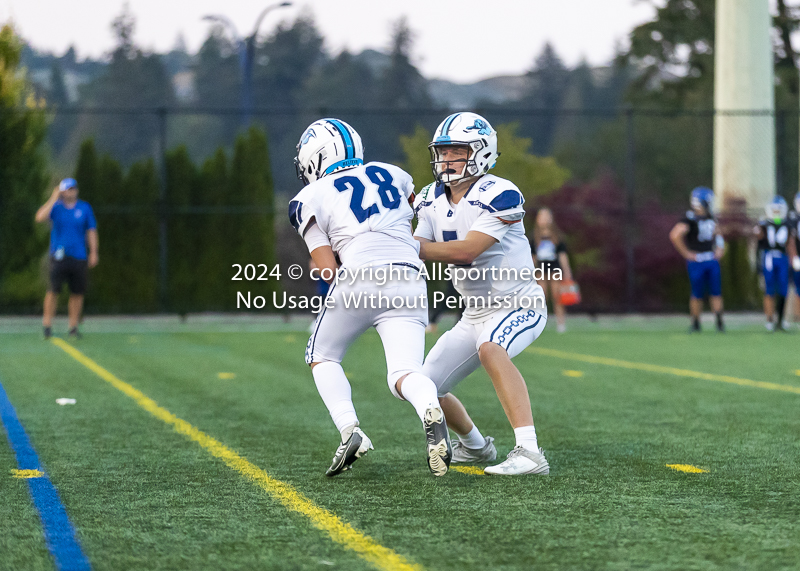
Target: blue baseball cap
67, 183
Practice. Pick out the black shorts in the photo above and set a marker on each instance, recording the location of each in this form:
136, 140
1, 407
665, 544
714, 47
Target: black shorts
71, 271
549, 265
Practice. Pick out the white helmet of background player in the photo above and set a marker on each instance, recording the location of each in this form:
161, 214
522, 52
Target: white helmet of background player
777, 209
327, 146
464, 129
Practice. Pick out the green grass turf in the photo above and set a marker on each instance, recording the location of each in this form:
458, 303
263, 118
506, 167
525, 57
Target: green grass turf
143, 496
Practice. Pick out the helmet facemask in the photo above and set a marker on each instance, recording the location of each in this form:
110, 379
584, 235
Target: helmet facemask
777, 211
700, 207
304, 173
447, 170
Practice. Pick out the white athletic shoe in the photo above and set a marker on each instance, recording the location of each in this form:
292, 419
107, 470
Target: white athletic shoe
770, 326
462, 454
521, 461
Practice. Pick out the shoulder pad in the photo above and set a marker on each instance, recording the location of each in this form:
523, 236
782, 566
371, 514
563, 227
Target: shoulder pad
500, 198
297, 216
497, 195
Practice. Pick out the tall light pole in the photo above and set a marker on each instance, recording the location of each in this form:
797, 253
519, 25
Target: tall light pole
246, 50
744, 103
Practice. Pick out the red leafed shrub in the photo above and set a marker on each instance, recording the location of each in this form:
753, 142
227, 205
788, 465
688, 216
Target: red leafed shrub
593, 219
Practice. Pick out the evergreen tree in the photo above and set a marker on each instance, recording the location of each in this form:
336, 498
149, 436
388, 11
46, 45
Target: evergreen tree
61, 124
136, 83
184, 231
549, 80
400, 87
283, 63
250, 237
675, 52
289, 57
214, 265
218, 81
24, 176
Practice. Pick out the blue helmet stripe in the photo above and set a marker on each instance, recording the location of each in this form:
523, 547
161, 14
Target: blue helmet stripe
350, 151
448, 122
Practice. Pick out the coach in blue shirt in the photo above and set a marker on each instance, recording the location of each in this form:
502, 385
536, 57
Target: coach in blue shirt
73, 227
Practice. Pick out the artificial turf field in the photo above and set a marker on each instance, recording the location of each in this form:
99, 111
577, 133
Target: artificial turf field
141, 495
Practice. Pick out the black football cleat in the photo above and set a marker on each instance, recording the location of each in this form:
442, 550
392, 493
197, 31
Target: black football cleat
349, 451
438, 449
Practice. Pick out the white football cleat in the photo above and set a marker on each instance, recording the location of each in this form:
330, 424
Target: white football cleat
521, 461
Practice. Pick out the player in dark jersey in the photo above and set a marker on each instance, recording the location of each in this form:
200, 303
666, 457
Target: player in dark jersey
794, 219
696, 238
775, 248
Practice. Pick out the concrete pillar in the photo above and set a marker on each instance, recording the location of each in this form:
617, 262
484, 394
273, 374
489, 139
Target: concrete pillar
744, 123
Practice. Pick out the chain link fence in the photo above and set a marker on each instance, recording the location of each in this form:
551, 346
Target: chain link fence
631, 174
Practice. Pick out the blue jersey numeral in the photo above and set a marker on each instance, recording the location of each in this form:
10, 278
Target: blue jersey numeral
352, 183
389, 194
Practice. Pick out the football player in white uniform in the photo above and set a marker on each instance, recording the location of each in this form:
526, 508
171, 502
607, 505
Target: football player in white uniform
361, 213
473, 220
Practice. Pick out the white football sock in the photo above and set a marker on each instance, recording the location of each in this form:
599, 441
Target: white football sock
473, 440
526, 437
421, 392
334, 388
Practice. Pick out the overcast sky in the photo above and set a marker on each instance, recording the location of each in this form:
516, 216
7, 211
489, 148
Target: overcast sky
460, 40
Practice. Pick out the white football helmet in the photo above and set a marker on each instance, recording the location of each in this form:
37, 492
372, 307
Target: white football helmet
327, 146
464, 129
777, 209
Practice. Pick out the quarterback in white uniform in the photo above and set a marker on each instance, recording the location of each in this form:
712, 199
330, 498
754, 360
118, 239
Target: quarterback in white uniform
473, 221
361, 213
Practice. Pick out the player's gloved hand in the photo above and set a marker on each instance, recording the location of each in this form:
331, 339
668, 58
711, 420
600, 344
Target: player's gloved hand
796, 263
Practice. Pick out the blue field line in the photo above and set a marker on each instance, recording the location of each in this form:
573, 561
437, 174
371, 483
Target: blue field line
59, 534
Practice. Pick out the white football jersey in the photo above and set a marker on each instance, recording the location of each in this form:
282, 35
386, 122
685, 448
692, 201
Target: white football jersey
492, 206
365, 213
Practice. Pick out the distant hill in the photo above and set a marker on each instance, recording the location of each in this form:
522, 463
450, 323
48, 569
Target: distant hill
468, 95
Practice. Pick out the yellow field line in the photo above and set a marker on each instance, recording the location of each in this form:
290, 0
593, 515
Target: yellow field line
338, 530
660, 369
688, 468
471, 470
25, 474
